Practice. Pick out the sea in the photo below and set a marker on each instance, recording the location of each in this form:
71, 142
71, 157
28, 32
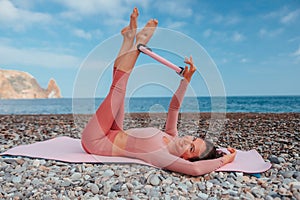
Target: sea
232, 104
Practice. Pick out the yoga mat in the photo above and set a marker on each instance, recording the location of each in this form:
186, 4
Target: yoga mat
68, 149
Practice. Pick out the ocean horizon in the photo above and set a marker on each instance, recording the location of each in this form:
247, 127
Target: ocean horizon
229, 104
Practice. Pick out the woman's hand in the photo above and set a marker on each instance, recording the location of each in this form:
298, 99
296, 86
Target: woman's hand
188, 73
229, 157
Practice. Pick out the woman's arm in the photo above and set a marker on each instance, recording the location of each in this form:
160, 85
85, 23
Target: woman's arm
203, 166
176, 101
197, 168
172, 117
174, 163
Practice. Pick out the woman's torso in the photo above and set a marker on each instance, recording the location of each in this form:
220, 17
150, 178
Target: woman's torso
139, 140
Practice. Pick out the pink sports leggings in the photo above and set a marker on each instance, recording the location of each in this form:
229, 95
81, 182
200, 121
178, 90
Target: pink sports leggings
98, 135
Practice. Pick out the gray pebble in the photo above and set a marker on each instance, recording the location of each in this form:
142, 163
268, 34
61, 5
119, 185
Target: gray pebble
106, 188
108, 173
36, 163
274, 194
117, 187
212, 198
66, 182
214, 181
182, 187
10, 161
35, 182
287, 174
112, 195
174, 198
167, 197
233, 193
268, 197
209, 185
281, 160
94, 188
134, 197
154, 192
154, 180
76, 176
203, 195
274, 159
17, 179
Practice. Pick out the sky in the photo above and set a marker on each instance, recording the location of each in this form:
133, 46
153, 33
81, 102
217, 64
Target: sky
239, 47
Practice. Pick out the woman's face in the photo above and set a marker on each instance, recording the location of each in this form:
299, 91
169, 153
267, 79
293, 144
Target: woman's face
189, 146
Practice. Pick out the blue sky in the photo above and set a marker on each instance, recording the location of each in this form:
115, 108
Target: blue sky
254, 44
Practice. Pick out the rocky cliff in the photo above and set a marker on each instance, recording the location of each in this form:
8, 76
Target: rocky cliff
21, 85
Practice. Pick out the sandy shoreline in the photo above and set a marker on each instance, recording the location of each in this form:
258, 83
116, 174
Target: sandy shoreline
274, 135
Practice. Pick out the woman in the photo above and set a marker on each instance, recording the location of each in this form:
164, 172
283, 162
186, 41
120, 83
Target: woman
104, 134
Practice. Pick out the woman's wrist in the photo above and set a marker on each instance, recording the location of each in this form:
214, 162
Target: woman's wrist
185, 81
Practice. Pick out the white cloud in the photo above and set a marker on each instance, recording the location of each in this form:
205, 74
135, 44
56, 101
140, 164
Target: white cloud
207, 33
297, 52
92, 7
244, 60
110, 13
176, 25
237, 37
82, 34
177, 9
224, 60
290, 17
115, 8
19, 19
25, 4
224, 36
12, 56
284, 15
88, 35
226, 19
198, 18
269, 33
294, 39
296, 55
231, 20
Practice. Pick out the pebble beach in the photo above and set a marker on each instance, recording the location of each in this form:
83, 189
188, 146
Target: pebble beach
275, 136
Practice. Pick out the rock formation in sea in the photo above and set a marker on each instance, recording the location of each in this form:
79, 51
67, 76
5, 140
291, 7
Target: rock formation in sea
22, 85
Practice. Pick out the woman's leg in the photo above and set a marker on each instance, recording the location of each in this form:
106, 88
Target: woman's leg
101, 123
128, 40
142, 37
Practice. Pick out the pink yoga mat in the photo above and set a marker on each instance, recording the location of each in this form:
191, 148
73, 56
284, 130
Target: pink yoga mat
68, 149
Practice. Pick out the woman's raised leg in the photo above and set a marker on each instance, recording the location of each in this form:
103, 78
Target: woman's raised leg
142, 37
101, 123
128, 40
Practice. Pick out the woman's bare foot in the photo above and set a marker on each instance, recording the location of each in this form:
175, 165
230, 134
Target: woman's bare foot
129, 31
146, 33
127, 61
128, 37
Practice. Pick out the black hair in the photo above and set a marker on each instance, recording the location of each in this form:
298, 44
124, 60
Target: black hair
209, 153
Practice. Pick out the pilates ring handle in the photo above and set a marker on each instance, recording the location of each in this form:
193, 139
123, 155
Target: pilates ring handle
181, 72
142, 45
